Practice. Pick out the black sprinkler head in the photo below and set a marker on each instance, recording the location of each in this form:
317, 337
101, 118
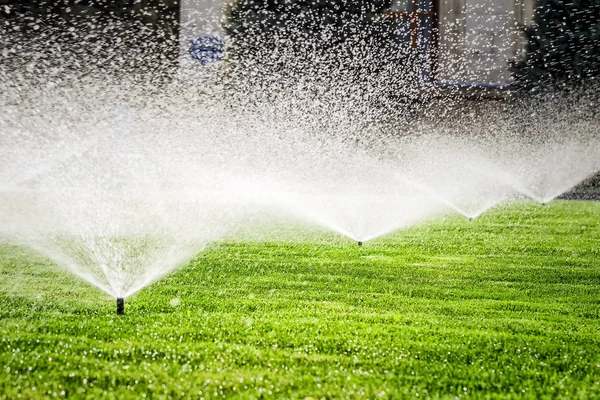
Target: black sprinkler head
120, 306
360, 243
470, 218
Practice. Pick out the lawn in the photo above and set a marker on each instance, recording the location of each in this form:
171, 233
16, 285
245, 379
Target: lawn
506, 306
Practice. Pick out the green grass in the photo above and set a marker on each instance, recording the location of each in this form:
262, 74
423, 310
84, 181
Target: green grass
506, 306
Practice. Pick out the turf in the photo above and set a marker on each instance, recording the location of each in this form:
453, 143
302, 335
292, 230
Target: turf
506, 306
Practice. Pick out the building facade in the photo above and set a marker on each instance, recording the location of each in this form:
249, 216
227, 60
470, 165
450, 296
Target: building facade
463, 42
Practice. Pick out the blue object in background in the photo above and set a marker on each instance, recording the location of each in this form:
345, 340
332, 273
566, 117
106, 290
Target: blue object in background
207, 49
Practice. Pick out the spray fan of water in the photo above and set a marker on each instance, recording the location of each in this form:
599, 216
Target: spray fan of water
124, 200
122, 180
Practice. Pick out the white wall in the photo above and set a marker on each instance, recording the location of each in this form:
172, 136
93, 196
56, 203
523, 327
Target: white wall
198, 18
478, 38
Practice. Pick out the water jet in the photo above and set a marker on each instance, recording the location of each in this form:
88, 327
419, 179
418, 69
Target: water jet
125, 197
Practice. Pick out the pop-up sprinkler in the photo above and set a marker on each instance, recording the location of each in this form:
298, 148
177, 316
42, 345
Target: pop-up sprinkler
359, 243
120, 306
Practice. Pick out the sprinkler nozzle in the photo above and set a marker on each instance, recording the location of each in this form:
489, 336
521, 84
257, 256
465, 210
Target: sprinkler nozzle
360, 243
120, 306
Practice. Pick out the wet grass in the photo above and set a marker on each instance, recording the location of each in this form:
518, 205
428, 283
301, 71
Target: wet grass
506, 306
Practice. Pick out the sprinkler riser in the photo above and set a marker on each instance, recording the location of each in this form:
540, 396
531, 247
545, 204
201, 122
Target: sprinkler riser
120, 306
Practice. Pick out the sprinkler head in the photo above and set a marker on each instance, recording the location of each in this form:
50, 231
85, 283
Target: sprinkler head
360, 243
470, 218
120, 306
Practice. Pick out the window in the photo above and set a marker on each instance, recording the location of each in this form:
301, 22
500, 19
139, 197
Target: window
417, 26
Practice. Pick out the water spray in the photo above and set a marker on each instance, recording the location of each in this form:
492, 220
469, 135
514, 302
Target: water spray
120, 306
